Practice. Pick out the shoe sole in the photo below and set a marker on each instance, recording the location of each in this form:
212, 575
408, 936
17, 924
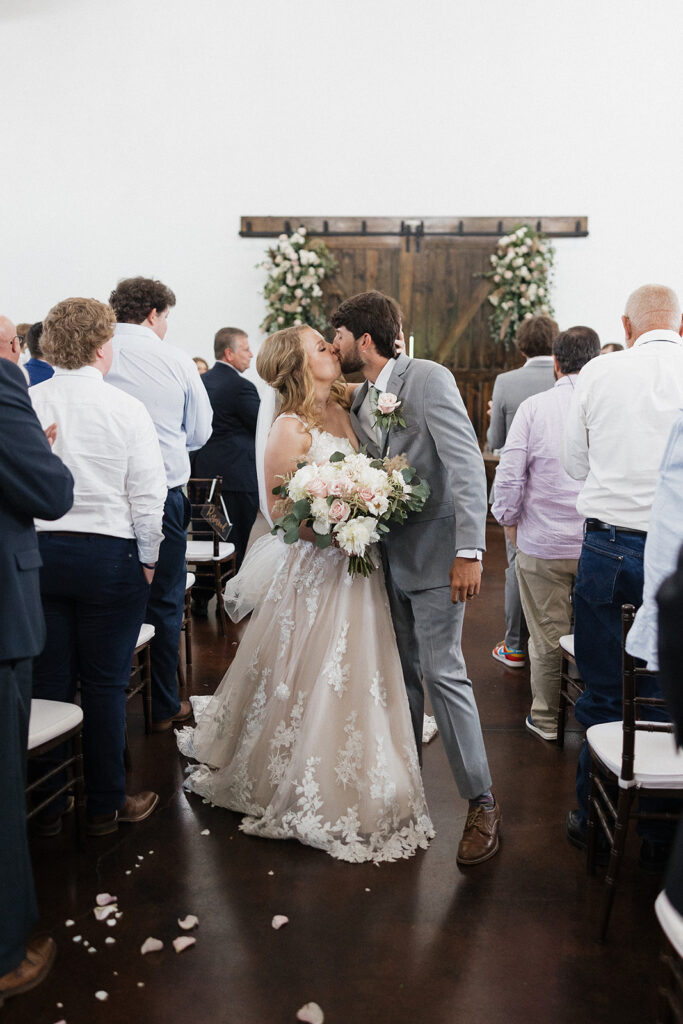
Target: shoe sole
105, 829
169, 723
486, 856
134, 821
548, 737
28, 985
508, 664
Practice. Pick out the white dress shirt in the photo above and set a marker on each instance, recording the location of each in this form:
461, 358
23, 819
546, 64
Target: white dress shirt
168, 384
623, 410
108, 441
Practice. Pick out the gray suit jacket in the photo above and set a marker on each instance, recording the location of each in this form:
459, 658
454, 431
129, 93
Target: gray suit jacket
510, 390
439, 441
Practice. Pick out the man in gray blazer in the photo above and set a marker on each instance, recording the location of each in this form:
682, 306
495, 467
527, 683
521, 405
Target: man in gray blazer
534, 340
432, 563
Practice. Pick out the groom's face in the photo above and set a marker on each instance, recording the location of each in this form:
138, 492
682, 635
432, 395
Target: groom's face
348, 350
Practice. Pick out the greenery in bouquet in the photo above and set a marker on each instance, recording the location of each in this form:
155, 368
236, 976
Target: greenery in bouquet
521, 276
349, 501
296, 270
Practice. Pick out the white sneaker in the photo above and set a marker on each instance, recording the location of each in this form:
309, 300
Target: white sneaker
549, 736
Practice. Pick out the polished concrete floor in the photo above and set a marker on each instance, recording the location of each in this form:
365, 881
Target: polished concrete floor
417, 942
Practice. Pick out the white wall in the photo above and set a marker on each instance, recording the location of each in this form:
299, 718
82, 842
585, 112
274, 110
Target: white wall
136, 132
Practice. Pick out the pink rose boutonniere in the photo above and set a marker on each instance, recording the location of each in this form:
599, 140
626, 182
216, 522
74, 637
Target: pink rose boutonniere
386, 412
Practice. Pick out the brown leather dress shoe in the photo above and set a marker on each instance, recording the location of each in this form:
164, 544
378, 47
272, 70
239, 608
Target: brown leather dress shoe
480, 840
133, 809
184, 713
40, 955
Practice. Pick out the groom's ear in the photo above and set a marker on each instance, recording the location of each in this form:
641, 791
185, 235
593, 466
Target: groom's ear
365, 341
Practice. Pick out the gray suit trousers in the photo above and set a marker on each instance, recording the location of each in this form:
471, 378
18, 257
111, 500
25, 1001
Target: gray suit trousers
428, 633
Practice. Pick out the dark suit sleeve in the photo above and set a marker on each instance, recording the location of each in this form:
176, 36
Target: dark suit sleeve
34, 482
247, 405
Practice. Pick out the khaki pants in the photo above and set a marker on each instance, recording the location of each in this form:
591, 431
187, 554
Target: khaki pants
545, 586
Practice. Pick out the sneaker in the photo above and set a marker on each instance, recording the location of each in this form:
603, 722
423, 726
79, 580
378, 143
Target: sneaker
509, 656
549, 736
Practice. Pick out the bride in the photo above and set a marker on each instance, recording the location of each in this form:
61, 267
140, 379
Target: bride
309, 734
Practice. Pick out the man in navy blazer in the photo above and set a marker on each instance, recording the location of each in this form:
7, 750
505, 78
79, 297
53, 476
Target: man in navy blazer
33, 482
229, 452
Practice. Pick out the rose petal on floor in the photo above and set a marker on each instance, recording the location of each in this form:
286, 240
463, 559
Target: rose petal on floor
110, 940
102, 995
111, 922
311, 1013
182, 942
69, 923
278, 921
205, 832
151, 945
188, 923
102, 913
103, 899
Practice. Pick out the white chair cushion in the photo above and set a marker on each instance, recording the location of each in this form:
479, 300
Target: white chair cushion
567, 644
146, 633
189, 580
202, 551
670, 920
658, 763
50, 719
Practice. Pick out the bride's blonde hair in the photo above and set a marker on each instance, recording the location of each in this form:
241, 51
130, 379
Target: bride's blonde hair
282, 362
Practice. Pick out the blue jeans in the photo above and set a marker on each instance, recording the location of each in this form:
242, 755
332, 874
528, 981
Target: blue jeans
94, 596
165, 606
610, 574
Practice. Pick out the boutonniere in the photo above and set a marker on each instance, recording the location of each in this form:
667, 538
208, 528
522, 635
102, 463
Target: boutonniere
386, 410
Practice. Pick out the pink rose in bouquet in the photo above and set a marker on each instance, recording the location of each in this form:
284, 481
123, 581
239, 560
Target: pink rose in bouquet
339, 511
317, 488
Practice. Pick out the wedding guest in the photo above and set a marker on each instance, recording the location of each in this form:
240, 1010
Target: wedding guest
611, 346
201, 364
534, 341
33, 482
10, 343
99, 559
38, 368
619, 422
536, 503
229, 452
167, 383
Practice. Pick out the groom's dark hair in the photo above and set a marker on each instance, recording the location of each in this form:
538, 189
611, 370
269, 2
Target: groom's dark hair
371, 313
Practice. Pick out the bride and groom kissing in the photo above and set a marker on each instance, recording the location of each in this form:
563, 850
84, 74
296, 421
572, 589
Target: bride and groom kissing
315, 731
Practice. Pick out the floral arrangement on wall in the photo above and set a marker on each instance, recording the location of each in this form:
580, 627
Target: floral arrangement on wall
296, 270
521, 275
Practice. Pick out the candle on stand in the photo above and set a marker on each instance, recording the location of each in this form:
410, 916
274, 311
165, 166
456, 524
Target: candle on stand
411, 346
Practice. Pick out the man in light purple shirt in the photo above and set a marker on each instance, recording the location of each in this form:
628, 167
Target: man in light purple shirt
535, 501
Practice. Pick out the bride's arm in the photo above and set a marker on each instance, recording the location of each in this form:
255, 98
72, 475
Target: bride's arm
288, 441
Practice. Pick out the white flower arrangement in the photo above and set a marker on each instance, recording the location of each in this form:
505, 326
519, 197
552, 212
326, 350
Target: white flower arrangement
295, 273
521, 274
350, 500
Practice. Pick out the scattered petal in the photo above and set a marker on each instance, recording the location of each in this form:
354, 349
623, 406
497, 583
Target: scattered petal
116, 974
188, 922
141, 856
137, 865
205, 832
150, 852
151, 945
77, 938
368, 890
110, 940
102, 996
60, 1006
111, 922
141, 984
118, 914
182, 942
104, 899
85, 943
102, 913
311, 1013
278, 921
129, 872
271, 872
62, 1021
92, 949
69, 923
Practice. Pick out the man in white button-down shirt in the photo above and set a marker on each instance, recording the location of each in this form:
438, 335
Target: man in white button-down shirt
167, 382
622, 413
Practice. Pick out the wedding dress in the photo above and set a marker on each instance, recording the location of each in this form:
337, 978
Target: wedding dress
309, 733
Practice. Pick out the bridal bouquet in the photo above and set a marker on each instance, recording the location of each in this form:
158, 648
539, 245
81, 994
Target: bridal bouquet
350, 500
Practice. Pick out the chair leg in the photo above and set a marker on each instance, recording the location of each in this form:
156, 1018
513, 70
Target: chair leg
219, 599
592, 836
562, 709
188, 652
616, 856
79, 789
147, 691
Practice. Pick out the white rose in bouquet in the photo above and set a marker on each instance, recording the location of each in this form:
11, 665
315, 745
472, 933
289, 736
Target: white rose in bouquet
355, 535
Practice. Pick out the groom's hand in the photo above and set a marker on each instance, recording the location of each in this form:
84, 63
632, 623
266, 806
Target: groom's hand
465, 578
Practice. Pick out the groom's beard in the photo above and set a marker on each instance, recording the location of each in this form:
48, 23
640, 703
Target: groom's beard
351, 362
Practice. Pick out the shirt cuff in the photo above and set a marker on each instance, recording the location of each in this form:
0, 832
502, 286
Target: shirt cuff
468, 553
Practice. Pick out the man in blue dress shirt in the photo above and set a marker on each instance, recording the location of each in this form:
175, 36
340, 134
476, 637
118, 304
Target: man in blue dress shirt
167, 382
37, 367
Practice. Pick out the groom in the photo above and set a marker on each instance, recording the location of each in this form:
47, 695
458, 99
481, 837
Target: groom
432, 563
